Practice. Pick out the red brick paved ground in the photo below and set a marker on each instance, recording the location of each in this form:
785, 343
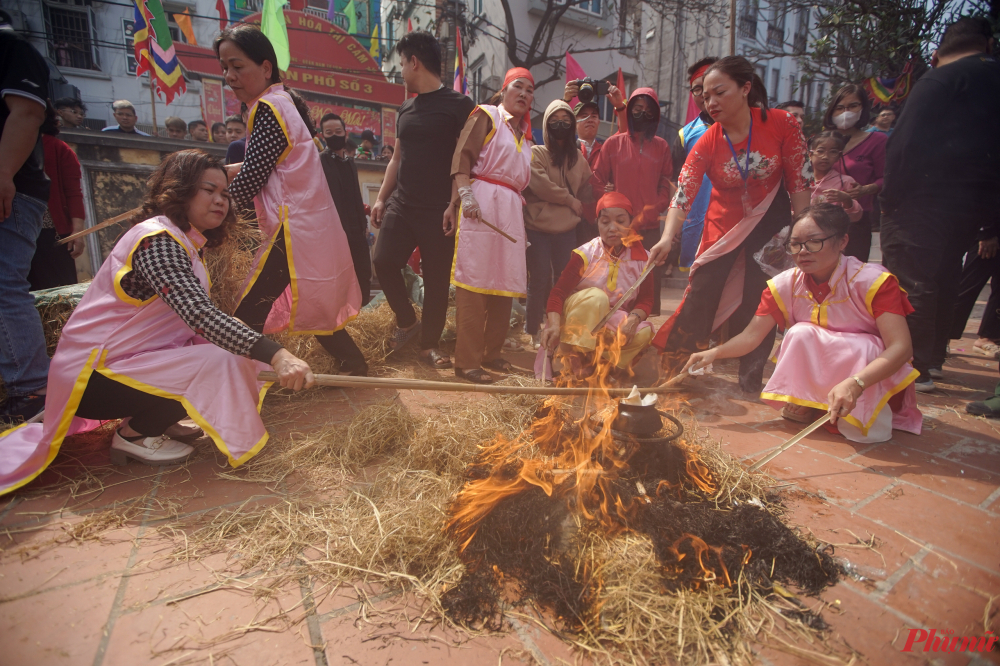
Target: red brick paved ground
932, 503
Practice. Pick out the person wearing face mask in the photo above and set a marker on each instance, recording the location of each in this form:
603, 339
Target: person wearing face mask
490, 168
302, 279
147, 345
863, 160
342, 177
554, 202
687, 137
756, 159
846, 347
637, 163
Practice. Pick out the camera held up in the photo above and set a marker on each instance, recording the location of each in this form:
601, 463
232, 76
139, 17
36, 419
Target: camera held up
589, 89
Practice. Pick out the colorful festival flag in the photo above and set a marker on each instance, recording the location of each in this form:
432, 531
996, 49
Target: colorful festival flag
374, 51
272, 24
220, 6
352, 18
154, 50
183, 21
888, 91
460, 85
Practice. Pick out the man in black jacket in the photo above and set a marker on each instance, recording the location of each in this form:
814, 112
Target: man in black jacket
942, 180
342, 177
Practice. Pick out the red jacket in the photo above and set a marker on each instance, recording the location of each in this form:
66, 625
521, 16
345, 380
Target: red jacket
639, 166
66, 198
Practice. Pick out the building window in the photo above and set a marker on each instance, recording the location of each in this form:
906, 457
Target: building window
476, 91
71, 38
390, 34
477, 8
807, 97
748, 18
820, 96
589, 6
775, 84
776, 26
801, 31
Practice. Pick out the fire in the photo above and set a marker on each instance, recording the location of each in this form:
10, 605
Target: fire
572, 452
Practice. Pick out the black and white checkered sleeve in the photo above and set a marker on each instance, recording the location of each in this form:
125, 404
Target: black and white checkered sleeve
165, 265
264, 146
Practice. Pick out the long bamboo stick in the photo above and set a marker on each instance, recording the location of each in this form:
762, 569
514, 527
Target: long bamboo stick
97, 227
790, 443
498, 230
426, 385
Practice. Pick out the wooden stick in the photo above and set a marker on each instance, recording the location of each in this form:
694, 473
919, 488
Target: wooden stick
790, 443
98, 227
424, 385
498, 230
621, 301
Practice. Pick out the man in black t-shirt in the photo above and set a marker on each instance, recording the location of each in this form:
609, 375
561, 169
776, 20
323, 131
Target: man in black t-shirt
24, 195
418, 178
942, 182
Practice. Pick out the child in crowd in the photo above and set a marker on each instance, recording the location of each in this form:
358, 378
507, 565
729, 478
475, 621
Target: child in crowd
829, 184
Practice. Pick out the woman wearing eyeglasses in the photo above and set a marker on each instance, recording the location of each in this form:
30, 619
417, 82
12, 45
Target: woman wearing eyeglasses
846, 347
863, 159
554, 201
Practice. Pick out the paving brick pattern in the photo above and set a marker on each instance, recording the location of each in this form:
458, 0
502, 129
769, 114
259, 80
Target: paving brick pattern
932, 504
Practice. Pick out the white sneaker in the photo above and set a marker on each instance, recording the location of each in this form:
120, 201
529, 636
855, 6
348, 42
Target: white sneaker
149, 450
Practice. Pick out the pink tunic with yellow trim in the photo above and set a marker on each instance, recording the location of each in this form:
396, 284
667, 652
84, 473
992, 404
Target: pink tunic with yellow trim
147, 346
612, 276
323, 294
485, 261
826, 343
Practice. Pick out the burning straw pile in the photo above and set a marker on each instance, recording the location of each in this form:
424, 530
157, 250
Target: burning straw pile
640, 548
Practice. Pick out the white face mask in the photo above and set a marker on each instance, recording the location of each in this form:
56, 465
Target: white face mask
846, 119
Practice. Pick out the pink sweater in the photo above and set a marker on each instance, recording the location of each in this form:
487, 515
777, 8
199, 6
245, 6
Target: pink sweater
835, 181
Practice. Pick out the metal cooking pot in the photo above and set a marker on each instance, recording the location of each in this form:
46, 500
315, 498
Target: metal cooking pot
637, 419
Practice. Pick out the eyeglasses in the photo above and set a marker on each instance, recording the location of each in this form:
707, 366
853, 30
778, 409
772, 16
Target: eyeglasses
560, 124
823, 152
812, 245
648, 115
698, 91
853, 106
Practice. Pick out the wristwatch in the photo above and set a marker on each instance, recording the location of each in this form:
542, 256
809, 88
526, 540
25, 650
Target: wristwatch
620, 109
860, 382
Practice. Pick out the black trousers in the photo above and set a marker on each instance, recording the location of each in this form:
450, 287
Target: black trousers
270, 284
651, 237
405, 228
694, 321
859, 238
923, 247
105, 399
52, 265
975, 274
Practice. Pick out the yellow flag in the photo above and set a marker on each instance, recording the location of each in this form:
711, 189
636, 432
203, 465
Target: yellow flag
184, 23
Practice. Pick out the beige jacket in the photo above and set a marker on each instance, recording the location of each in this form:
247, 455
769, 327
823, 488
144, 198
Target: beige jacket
552, 189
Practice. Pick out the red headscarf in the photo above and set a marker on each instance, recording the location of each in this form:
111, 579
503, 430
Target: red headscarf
517, 73
614, 200
700, 72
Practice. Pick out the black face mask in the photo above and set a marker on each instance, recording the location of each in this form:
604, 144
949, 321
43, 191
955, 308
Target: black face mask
640, 122
336, 142
560, 132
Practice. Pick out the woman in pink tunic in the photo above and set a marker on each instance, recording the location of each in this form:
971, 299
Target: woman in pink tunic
491, 166
303, 276
146, 343
846, 347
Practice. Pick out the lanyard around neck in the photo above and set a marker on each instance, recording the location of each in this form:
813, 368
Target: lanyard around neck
744, 173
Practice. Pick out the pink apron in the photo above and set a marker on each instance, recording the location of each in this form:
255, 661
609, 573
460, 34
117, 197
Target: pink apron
485, 261
612, 276
825, 343
323, 294
834, 181
732, 292
144, 345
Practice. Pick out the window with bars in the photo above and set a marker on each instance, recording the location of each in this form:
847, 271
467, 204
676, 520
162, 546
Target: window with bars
477, 8
70, 34
476, 91
775, 84
801, 31
748, 18
776, 26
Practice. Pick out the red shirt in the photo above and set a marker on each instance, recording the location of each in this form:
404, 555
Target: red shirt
641, 170
889, 298
778, 150
571, 277
65, 197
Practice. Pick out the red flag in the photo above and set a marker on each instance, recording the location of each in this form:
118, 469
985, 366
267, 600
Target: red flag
223, 14
573, 72
621, 83
409, 25
692, 111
